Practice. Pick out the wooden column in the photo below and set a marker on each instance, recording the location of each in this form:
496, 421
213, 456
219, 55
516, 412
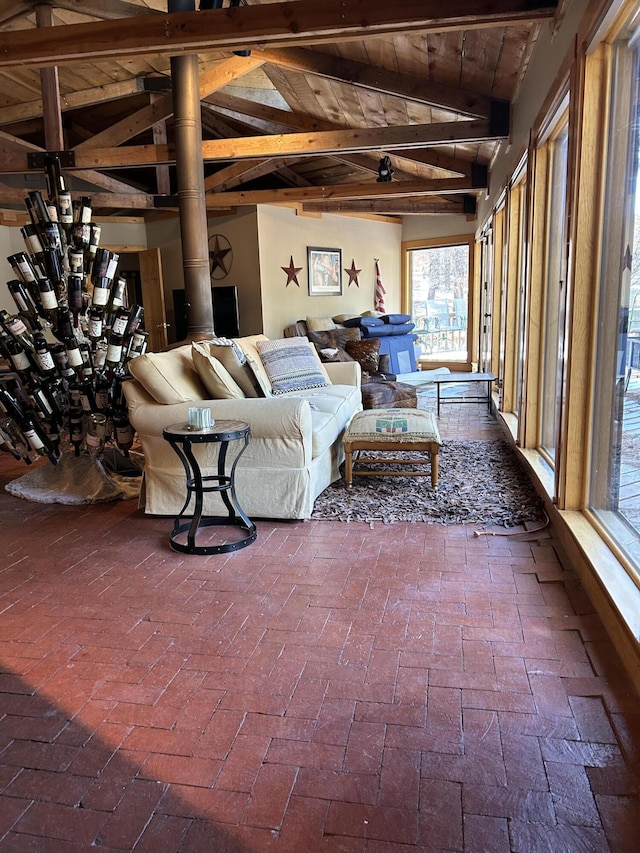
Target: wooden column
191, 193
51, 107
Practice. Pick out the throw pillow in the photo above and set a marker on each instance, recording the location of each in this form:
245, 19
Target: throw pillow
169, 377
342, 318
330, 344
291, 365
230, 355
366, 352
248, 347
320, 324
215, 377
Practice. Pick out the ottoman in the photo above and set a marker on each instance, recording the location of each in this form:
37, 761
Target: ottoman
388, 394
394, 430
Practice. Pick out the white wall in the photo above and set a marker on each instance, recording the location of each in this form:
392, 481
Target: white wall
283, 234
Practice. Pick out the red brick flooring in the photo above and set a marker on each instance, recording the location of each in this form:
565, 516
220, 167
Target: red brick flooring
332, 687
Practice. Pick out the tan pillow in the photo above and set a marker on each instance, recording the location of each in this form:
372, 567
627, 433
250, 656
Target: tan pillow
248, 347
231, 357
215, 377
340, 318
320, 324
170, 377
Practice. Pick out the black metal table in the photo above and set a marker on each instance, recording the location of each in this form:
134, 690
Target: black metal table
468, 378
182, 437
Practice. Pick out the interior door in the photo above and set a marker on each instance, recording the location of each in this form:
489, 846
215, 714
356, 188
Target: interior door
153, 299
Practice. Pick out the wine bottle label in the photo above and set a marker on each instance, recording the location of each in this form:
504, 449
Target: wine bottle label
48, 299
114, 353
20, 360
66, 208
119, 325
85, 215
53, 211
100, 295
76, 261
35, 442
99, 358
16, 326
85, 403
102, 398
25, 271
93, 440
112, 267
74, 356
95, 328
45, 361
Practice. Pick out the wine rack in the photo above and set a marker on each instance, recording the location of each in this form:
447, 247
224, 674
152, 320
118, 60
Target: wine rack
71, 336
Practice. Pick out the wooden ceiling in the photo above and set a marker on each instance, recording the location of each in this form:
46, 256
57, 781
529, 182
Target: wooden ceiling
324, 90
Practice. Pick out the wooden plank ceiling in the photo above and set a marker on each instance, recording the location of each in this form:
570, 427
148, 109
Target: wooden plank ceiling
300, 99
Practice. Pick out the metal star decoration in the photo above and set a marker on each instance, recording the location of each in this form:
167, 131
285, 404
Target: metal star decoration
292, 272
353, 274
219, 264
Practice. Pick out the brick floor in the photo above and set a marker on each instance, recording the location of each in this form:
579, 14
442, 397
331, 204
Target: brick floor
333, 687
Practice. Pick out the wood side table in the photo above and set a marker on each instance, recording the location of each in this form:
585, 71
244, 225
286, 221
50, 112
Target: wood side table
182, 438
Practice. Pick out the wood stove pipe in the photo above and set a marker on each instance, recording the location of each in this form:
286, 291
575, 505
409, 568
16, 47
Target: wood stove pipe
191, 193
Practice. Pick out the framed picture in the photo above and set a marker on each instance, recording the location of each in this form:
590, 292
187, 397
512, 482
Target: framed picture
324, 271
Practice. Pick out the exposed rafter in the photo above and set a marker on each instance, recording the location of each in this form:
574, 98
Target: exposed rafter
274, 25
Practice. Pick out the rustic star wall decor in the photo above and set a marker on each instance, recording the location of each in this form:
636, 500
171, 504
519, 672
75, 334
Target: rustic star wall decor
220, 256
353, 274
292, 272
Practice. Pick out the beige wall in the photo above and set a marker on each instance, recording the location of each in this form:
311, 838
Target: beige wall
283, 234
431, 226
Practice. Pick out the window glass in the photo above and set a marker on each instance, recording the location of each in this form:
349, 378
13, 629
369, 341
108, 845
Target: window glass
614, 490
554, 290
439, 282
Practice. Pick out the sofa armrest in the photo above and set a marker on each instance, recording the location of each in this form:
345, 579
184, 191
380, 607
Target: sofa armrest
344, 372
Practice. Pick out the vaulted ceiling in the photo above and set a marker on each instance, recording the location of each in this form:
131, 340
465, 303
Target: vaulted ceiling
300, 100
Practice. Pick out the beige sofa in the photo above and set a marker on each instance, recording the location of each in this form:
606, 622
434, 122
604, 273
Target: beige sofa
296, 436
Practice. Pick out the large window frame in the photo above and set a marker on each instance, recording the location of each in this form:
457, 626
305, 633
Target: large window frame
470, 350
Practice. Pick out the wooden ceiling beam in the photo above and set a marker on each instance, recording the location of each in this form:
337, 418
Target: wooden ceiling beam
280, 145
105, 9
393, 206
243, 171
270, 25
382, 81
342, 191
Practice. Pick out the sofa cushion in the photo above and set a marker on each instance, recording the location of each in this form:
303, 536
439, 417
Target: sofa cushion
331, 407
170, 377
248, 347
291, 365
230, 355
319, 324
366, 352
215, 377
397, 318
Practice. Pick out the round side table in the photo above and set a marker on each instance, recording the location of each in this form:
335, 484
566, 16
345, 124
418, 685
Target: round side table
182, 438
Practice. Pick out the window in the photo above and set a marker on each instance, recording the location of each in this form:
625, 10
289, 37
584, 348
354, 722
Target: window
437, 293
554, 293
614, 491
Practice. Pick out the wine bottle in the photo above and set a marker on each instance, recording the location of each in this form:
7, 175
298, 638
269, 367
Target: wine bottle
64, 323
19, 359
135, 320
47, 296
37, 438
22, 267
73, 352
120, 321
76, 261
100, 355
59, 354
102, 392
87, 364
43, 355
137, 344
25, 302
96, 433
11, 405
82, 210
114, 350
74, 296
15, 439
87, 398
76, 428
96, 316
31, 239
123, 432
100, 295
37, 208
65, 209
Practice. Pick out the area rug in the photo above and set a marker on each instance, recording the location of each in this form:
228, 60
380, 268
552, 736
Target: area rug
481, 482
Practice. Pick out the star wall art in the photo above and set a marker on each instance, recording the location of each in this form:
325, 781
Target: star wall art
292, 272
220, 256
353, 274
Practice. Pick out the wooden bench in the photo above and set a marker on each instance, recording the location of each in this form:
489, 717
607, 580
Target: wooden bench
391, 430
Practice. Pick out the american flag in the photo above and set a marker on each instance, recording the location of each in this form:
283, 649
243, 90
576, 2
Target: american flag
378, 300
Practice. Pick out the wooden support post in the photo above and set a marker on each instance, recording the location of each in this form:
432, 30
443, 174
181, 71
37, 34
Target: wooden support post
52, 110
